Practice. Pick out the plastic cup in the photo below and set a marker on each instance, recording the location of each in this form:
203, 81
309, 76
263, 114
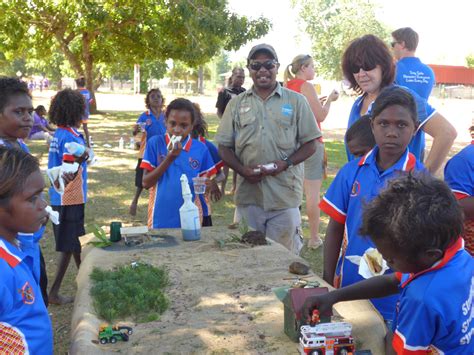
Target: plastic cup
115, 235
199, 185
142, 126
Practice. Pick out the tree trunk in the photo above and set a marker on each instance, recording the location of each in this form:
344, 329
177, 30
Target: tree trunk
111, 83
89, 72
201, 80
136, 79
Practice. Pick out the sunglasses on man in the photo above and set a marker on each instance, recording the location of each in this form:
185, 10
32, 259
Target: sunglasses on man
268, 64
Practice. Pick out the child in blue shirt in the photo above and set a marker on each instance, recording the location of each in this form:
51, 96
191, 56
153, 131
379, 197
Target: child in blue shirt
150, 123
394, 122
66, 111
213, 193
15, 124
459, 175
25, 326
359, 137
81, 87
164, 164
416, 225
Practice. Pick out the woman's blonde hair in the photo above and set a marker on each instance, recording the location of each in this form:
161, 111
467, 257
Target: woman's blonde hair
297, 63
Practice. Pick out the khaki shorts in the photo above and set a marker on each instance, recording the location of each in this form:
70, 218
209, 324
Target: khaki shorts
282, 226
313, 166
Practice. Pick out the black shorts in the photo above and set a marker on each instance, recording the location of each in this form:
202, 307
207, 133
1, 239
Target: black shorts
207, 221
70, 228
139, 174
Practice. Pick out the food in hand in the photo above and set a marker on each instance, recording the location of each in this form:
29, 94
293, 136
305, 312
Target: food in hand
374, 261
173, 141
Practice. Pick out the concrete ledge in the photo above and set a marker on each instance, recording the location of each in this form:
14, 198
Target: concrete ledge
220, 301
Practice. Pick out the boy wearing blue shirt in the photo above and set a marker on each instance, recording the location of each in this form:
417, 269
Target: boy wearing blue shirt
81, 87
394, 122
416, 225
25, 326
164, 165
15, 125
459, 175
424, 113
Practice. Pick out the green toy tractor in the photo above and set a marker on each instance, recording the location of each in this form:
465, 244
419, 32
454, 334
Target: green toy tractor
110, 334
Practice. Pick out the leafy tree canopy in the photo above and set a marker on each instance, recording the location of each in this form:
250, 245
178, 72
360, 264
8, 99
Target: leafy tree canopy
92, 34
332, 24
470, 60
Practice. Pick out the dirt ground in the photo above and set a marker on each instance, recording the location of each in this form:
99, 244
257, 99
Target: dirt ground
221, 300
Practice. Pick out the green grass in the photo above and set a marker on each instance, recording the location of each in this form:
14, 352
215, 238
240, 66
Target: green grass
136, 292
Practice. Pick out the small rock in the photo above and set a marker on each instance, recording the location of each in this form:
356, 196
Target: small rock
299, 268
261, 336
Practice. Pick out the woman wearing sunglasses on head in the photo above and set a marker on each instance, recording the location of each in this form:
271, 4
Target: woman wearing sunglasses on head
296, 77
368, 65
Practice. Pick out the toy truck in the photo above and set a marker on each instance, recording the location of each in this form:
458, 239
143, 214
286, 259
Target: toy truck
110, 334
327, 339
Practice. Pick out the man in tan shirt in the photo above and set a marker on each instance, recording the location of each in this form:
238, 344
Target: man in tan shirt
268, 124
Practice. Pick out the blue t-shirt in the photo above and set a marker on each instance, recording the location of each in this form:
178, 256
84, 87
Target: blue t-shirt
357, 182
459, 172
24, 237
413, 74
25, 326
153, 126
75, 192
166, 197
435, 313
425, 112
218, 163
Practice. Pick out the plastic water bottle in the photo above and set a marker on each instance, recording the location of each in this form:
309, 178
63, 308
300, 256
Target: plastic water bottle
121, 143
189, 213
132, 143
75, 149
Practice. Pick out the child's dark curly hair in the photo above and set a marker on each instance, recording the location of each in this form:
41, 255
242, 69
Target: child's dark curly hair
67, 108
362, 131
184, 105
414, 213
148, 94
200, 125
11, 87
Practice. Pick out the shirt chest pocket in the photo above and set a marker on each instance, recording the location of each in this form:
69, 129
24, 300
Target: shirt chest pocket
286, 132
247, 129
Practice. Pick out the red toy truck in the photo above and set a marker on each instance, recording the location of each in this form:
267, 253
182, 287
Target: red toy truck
327, 339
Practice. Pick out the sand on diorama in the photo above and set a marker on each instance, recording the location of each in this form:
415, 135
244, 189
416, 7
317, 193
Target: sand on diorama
221, 299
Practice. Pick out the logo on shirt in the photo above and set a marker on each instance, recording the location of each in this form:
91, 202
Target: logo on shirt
27, 294
287, 110
148, 121
355, 189
193, 163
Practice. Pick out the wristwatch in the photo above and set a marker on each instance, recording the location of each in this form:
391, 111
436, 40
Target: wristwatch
288, 162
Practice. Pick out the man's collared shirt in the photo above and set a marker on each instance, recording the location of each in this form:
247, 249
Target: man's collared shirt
262, 131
